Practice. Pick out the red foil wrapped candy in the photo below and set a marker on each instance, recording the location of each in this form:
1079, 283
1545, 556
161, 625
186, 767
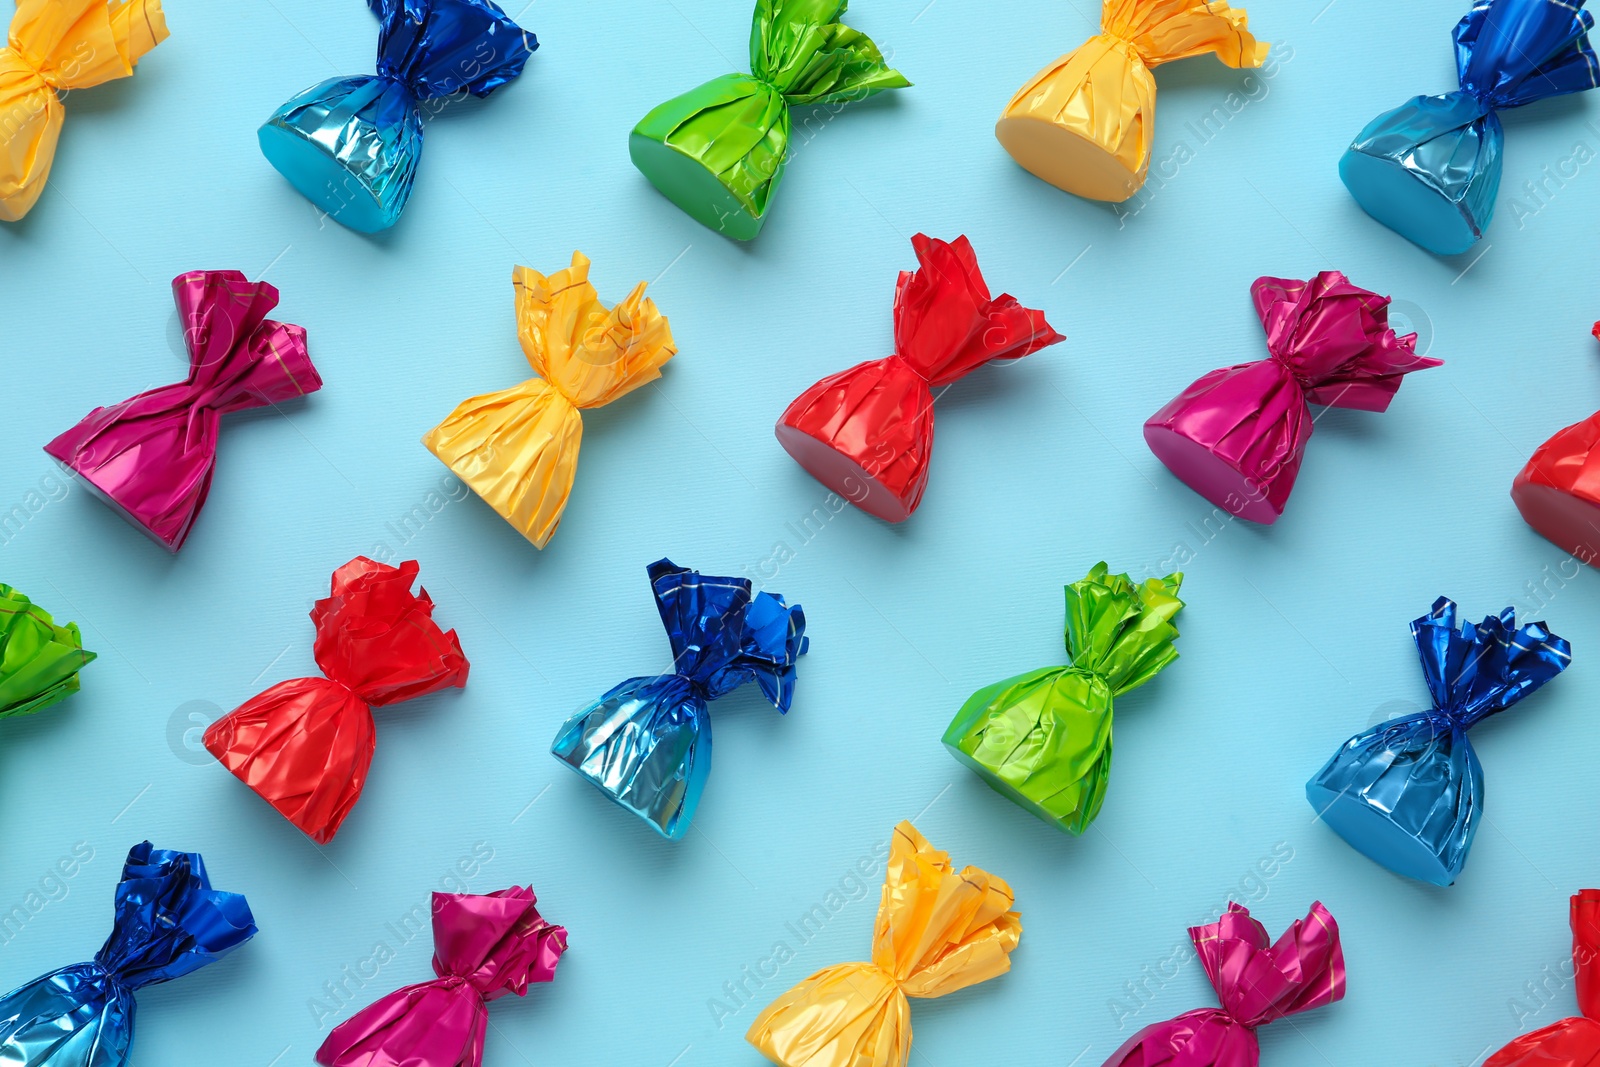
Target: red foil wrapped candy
1573, 1042
1237, 435
867, 432
152, 456
305, 745
1558, 492
1256, 981
483, 948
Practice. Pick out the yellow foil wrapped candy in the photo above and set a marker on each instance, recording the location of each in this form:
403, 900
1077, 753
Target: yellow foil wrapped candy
938, 930
518, 448
54, 46
1085, 123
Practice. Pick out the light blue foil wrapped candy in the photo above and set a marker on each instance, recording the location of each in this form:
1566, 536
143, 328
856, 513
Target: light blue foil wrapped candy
1406, 793
647, 743
1430, 169
351, 145
169, 922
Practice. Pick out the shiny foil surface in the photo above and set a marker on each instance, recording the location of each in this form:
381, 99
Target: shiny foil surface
1430, 168
55, 47
1086, 122
484, 948
718, 150
168, 923
938, 930
304, 745
646, 744
39, 659
1257, 982
1237, 435
1558, 491
518, 448
152, 456
1406, 793
1043, 739
1574, 1041
867, 432
351, 145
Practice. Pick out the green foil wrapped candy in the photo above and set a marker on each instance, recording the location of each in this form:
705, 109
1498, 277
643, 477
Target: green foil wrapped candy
1044, 738
39, 660
718, 151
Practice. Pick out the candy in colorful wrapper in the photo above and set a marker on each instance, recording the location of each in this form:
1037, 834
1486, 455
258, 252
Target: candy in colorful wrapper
1406, 793
646, 744
1257, 982
351, 145
1575, 1041
1558, 492
484, 947
305, 745
518, 448
169, 922
1043, 739
718, 150
1237, 435
1430, 169
56, 47
1086, 122
39, 659
938, 930
151, 457
867, 432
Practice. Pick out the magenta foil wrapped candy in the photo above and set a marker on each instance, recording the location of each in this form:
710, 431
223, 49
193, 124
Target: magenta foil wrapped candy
483, 948
151, 457
1237, 435
1256, 981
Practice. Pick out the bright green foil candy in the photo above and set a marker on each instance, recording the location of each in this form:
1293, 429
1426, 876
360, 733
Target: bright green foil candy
1044, 738
39, 660
718, 151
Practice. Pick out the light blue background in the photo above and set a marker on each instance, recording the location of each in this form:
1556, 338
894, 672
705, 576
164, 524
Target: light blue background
1295, 637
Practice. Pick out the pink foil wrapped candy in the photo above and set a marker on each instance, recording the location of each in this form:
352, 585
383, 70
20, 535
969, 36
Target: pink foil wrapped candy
483, 948
1237, 435
1256, 983
151, 457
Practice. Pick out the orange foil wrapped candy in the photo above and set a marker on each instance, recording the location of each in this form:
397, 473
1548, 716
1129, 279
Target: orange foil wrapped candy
867, 432
305, 745
518, 448
938, 930
1575, 1041
56, 46
1086, 122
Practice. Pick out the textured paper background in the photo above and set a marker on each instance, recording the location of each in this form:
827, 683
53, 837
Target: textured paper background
1296, 636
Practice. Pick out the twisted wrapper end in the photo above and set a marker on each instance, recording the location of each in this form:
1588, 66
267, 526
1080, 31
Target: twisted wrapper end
39, 659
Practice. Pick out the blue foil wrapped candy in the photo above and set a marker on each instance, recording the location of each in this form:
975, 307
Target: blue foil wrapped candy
1430, 169
1406, 793
169, 922
351, 145
647, 743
